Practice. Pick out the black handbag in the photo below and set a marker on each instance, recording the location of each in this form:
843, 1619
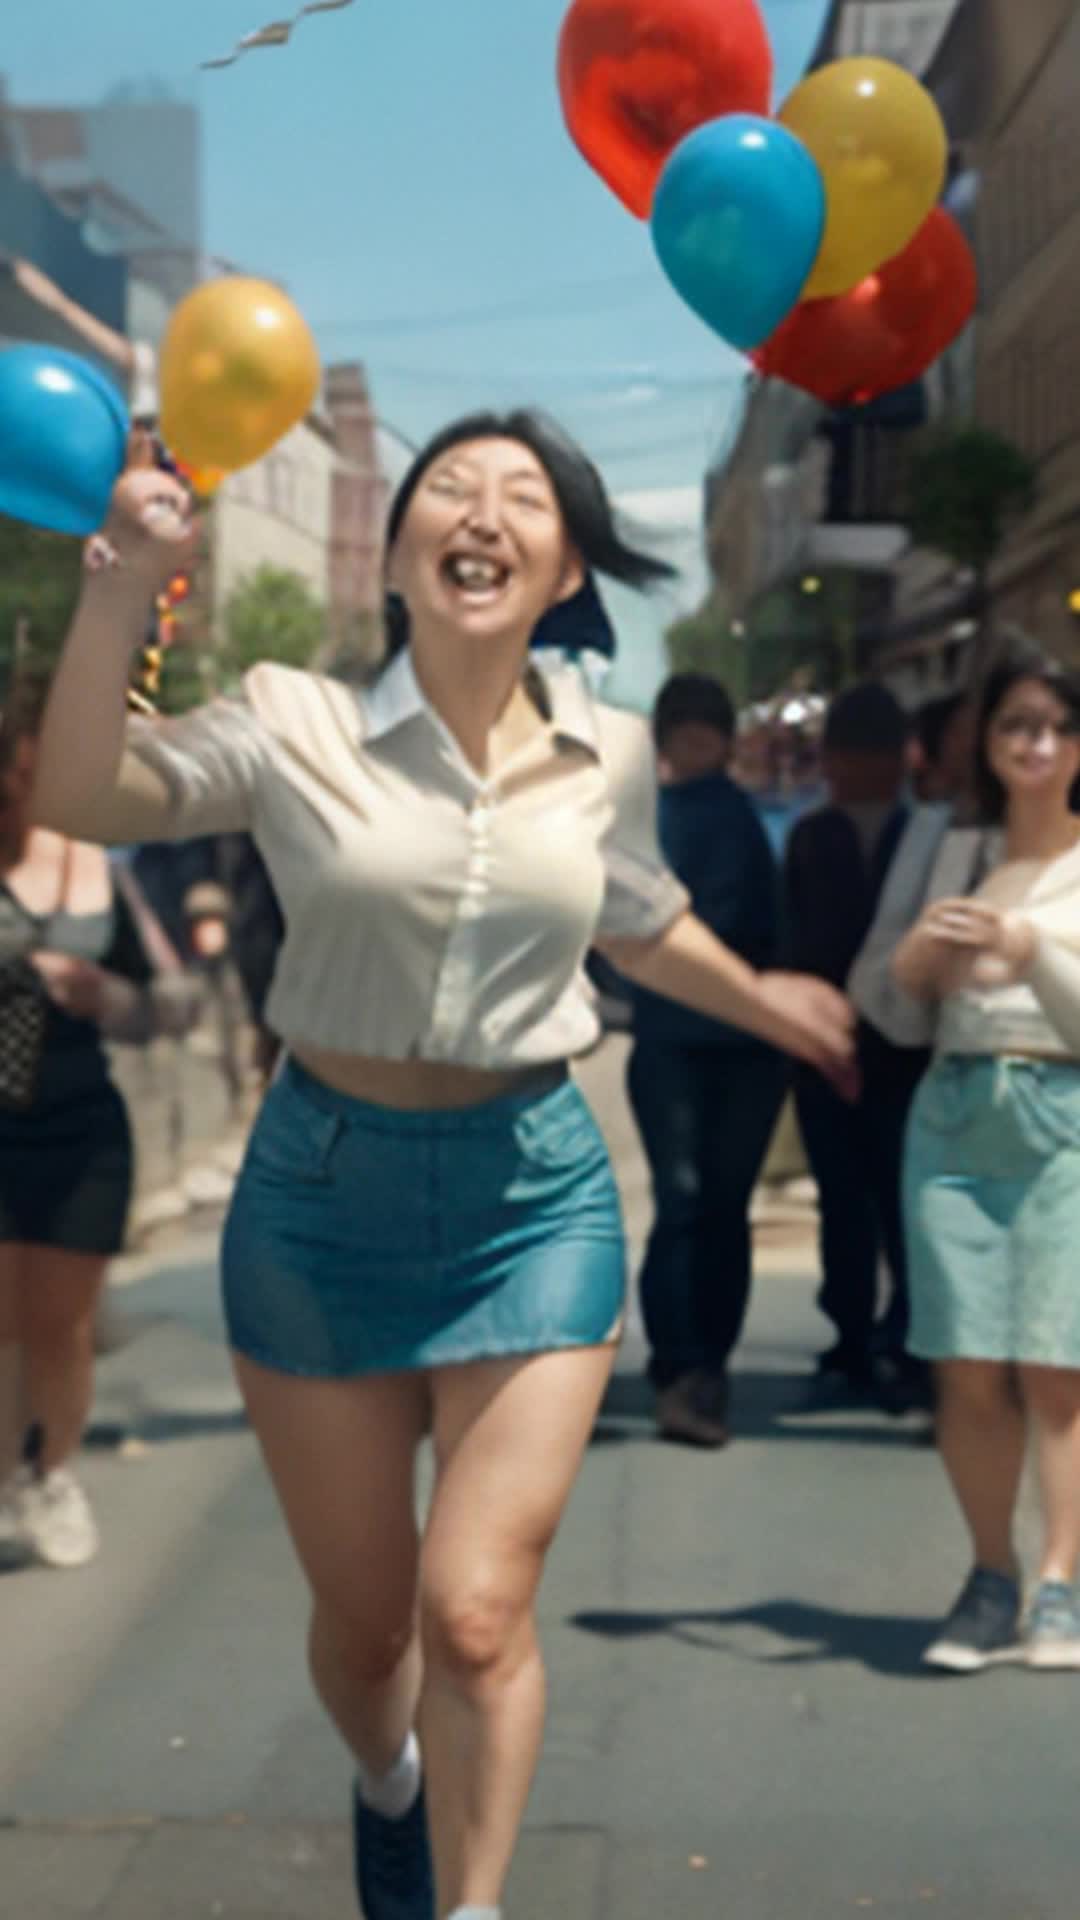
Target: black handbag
24, 1016
24, 1013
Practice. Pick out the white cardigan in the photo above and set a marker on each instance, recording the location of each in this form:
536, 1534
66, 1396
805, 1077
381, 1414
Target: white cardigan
1040, 1015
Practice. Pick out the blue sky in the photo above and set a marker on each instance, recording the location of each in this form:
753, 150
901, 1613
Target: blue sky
403, 167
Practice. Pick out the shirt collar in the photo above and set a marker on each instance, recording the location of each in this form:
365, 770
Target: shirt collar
397, 697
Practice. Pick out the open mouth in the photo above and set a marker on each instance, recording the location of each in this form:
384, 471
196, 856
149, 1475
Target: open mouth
476, 576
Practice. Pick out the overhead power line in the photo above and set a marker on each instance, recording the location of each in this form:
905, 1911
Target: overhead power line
581, 294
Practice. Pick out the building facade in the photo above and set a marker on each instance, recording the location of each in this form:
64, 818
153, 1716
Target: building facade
1006, 77
128, 173
1017, 79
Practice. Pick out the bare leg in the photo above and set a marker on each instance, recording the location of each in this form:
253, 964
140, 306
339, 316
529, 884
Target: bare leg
342, 1457
982, 1438
1052, 1395
11, 1418
58, 1297
510, 1437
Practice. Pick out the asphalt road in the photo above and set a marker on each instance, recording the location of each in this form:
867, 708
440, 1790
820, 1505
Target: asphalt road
739, 1727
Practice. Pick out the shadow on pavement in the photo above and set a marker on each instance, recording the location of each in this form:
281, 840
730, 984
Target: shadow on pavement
883, 1643
765, 1405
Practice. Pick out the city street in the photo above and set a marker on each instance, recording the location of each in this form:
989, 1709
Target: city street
738, 1727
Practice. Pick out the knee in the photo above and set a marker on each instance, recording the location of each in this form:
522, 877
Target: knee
350, 1640
1052, 1394
49, 1324
475, 1633
980, 1390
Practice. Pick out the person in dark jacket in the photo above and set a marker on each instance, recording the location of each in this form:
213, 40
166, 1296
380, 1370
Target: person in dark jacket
837, 863
706, 1098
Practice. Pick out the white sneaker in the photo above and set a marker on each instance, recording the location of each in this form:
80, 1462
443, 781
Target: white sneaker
55, 1518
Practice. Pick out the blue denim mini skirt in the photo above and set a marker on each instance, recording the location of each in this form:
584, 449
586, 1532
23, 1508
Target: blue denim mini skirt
362, 1239
992, 1212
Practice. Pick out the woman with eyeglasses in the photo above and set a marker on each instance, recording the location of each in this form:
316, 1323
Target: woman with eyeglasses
992, 1178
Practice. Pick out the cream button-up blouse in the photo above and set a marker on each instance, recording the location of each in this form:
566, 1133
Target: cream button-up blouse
431, 913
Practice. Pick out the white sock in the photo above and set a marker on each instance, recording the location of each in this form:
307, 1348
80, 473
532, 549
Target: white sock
476, 1913
392, 1794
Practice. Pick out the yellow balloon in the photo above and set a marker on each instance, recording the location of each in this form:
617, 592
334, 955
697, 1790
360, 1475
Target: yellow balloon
238, 368
883, 151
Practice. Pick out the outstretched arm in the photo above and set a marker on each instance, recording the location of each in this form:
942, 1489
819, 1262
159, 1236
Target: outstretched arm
687, 963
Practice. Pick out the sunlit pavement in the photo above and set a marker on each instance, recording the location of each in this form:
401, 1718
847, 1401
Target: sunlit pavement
739, 1726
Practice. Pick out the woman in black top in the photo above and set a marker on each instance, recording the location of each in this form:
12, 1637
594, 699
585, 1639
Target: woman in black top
72, 968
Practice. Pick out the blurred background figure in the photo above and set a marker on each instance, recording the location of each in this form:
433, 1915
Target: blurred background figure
942, 750
74, 969
706, 1098
838, 862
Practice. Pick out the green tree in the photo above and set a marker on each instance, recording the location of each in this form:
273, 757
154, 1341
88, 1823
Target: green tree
272, 614
39, 585
966, 490
704, 642
795, 635
187, 678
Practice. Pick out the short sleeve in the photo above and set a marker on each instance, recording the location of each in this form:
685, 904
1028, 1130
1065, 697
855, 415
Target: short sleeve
642, 897
210, 761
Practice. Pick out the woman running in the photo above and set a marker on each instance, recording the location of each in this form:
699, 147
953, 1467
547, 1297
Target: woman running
426, 1234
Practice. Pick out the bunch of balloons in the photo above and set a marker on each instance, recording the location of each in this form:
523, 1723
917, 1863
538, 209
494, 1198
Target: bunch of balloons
811, 239
238, 369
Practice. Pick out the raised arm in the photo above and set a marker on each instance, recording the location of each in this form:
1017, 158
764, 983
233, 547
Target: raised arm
103, 340
87, 783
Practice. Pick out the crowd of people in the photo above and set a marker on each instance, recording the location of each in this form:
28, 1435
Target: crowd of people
936, 885
425, 1238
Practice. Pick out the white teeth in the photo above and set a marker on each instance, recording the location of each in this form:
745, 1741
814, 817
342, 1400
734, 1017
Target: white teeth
473, 574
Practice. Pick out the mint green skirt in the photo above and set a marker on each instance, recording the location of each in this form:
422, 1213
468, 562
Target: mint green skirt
992, 1212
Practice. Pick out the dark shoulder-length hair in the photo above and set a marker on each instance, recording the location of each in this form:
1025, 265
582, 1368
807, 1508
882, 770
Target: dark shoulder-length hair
1020, 659
583, 500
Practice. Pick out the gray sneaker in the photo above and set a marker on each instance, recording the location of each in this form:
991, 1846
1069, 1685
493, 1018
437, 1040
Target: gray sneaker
1052, 1630
983, 1627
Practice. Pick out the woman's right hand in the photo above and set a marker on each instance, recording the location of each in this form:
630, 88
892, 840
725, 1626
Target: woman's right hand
150, 531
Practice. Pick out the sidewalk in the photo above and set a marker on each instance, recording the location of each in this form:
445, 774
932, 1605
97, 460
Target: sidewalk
738, 1729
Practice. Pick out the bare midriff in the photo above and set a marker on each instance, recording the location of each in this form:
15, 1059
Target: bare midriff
417, 1086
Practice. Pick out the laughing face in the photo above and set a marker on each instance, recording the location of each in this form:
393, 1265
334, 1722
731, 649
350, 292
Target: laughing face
484, 548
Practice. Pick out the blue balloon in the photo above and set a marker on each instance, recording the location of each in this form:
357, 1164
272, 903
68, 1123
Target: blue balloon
738, 222
63, 439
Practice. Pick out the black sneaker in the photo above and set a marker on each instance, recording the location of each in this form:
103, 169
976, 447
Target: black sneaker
843, 1361
394, 1878
983, 1627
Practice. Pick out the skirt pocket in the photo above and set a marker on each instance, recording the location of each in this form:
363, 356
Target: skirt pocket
293, 1140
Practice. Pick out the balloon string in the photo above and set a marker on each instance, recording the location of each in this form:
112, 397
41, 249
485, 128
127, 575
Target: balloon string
277, 33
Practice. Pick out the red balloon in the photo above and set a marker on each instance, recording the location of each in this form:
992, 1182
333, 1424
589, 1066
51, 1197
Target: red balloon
636, 77
888, 330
